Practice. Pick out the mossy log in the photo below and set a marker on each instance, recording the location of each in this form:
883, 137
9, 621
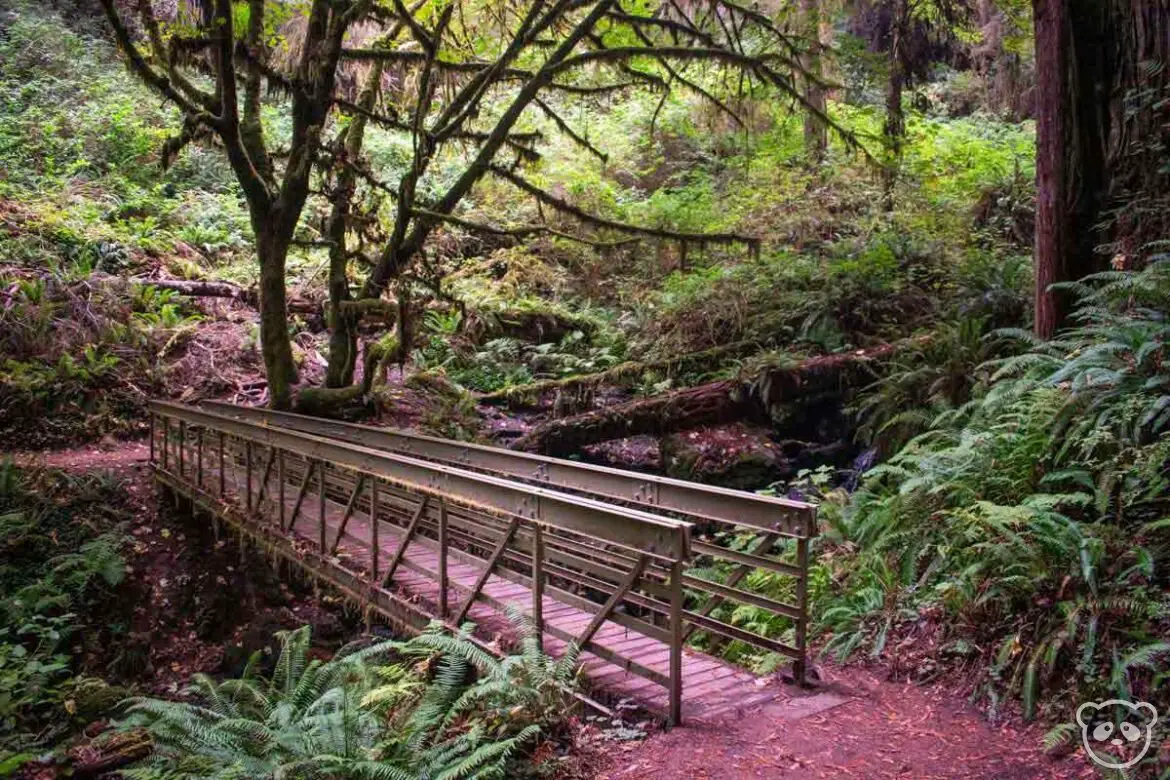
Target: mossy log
717, 402
246, 295
536, 327
338, 403
101, 758
530, 394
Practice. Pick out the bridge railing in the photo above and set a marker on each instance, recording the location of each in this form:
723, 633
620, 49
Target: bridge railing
334, 502
739, 532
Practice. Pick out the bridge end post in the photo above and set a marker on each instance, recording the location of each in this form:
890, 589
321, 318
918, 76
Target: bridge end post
799, 667
676, 643
443, 542
538, 584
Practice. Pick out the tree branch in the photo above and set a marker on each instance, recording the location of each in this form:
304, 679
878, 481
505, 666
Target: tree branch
149, 75
564, 206
564, 127
523, 230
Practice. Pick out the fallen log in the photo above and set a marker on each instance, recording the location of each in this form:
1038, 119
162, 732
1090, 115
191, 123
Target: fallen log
710, 404
99, 759
249, 296
527, 395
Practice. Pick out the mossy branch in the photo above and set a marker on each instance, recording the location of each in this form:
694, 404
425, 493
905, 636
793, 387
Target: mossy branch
522, 231
565, 207
629, 370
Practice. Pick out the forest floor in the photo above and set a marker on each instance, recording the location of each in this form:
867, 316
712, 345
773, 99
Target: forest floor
886, 729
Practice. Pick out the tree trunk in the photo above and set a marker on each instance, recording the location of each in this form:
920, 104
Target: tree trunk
343, 346
1073, 72
275, 344
710, 404
895, 128
816, 137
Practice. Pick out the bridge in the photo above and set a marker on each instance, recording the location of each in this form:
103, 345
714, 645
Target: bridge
415, 529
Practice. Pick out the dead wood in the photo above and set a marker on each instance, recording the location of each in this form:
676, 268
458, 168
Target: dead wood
249, 296
711, 404
526, 395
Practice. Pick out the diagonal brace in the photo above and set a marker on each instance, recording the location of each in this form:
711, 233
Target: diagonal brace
628, 583
349, 507
762, 545
491, 565
400, 553
292, 521
267, 473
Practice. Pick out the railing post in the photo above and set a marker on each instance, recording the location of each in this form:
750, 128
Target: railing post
248, 475
152, 438
280, 477
676, 641
538, 583
222, 472
321, 504
199, 457
182, 446
166, 434
443, 559
799, 667
374, 527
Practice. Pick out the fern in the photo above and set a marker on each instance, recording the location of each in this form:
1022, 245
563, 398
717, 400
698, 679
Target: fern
356, 716
1039, 500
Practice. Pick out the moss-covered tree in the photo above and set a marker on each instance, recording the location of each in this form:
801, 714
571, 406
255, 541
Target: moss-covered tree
212, 62
465, 74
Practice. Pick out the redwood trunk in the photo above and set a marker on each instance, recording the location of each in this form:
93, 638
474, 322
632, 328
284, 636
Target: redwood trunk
895, 129
1073, 76
815, 133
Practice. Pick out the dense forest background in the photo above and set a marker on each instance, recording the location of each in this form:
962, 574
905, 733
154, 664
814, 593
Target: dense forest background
906, 259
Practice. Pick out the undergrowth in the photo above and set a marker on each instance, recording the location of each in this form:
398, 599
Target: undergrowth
62, 542
1024, 536
436, 706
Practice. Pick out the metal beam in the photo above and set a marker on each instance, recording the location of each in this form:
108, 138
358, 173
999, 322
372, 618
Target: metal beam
664, 538
707, 502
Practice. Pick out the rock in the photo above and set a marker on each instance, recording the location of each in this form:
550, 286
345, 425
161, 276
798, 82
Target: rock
735, 456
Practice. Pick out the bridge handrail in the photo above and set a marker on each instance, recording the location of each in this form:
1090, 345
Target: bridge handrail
781, 516
664, 538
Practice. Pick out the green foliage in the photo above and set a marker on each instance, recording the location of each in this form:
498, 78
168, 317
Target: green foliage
506, 361
445, 708
937, 375
55, 566
1030, 521
78, 358
78, 148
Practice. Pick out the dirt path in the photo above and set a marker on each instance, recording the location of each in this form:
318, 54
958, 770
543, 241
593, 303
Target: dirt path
104, 455
888, 730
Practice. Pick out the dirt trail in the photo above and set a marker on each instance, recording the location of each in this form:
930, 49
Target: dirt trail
888, 730
885, 730
104, 455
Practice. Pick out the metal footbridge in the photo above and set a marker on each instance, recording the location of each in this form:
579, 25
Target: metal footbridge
416, 528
